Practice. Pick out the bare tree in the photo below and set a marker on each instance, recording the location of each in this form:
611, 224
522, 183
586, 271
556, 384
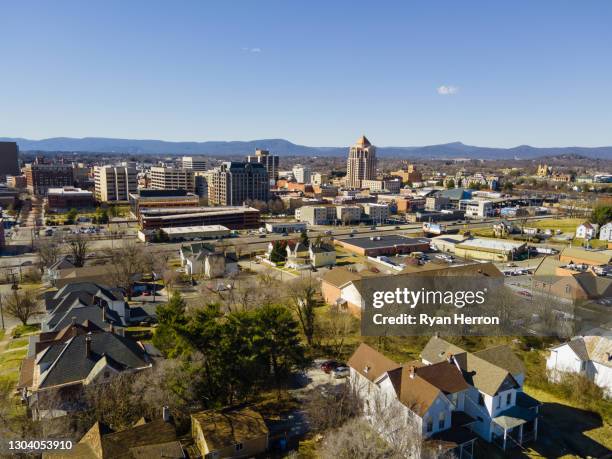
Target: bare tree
335, 327
125, 264
48, 252
303, 293
21, 305
78, 248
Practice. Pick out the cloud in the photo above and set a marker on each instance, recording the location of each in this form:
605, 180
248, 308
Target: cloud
251, 50
447, 90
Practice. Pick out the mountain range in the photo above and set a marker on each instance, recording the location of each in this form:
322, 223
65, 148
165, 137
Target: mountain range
284, 147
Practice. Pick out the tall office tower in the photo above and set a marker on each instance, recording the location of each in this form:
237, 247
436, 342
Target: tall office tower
9, 159
115, 183
42, 176
172, 178
194, 163
301, 173
269, 161
361, 164
234, 183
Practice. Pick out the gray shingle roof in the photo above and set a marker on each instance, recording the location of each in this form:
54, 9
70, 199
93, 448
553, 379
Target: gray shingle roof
70, 362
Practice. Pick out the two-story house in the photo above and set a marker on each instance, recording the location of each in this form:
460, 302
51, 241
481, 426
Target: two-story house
450, 397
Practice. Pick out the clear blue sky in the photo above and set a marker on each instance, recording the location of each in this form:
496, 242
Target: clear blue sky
320, 73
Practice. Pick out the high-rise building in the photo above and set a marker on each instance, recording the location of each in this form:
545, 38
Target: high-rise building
194, 163
269, 161
42, 176
9, 158
115, 183
301, 173
361, 164
172, 178
233, 183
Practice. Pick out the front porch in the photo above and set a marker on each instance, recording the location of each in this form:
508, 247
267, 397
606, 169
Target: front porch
459, 439
517, 425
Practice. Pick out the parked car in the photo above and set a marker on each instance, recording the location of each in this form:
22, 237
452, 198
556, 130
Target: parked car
329, 365
341, 372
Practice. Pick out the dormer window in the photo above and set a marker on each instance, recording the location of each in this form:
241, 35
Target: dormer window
509, 398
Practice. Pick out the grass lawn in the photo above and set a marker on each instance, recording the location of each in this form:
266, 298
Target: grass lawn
17, 343
569, 429
565, 225
29, 329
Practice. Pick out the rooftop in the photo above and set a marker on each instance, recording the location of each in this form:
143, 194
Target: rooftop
194, 229
384, 241
491, 244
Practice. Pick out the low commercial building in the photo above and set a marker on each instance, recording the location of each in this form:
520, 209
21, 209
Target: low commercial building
69, 197
154, 199
384, 245
190, 233
348, 214
477, 208
390, 185
238, 217
579, 255
16, 181
490, 249
402, 204
286, 227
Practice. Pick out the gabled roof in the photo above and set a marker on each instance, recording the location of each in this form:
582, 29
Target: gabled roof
70, 362
370, 363
445, 376
340, 276
598, 257
412, 390
485, 376
503, 357
595, 348
92, 314
438, 350
222, 428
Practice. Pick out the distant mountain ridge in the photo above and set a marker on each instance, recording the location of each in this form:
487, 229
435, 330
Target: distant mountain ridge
284, 147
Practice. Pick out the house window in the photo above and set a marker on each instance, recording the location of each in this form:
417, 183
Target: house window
509, 398
429, 424
441, 421
481, 399
239, 446
499, 400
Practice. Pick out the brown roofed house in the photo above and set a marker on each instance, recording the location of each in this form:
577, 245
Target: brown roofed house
229, 433
370, 363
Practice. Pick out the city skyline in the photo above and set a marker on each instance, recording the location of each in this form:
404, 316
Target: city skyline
405, 74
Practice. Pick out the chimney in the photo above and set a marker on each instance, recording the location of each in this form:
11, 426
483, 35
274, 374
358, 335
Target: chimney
412, 373
450, 358
166, 413
87, 346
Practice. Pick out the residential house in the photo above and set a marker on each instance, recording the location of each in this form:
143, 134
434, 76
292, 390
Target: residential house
605, 233
590, 356
84, 301
207, 260
156, 438
313, 255
229, 433
322, 255
349, 289
587, 230
61, 370
449, 398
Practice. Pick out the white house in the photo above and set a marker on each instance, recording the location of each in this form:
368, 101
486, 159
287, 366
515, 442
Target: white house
587, 230
605, 233
448, 398
590, 356
205, 259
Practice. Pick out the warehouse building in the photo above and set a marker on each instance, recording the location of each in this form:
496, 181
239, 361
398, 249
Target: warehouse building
384, 245
491, 249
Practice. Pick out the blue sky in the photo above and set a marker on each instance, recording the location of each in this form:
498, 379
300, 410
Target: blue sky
314, 72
